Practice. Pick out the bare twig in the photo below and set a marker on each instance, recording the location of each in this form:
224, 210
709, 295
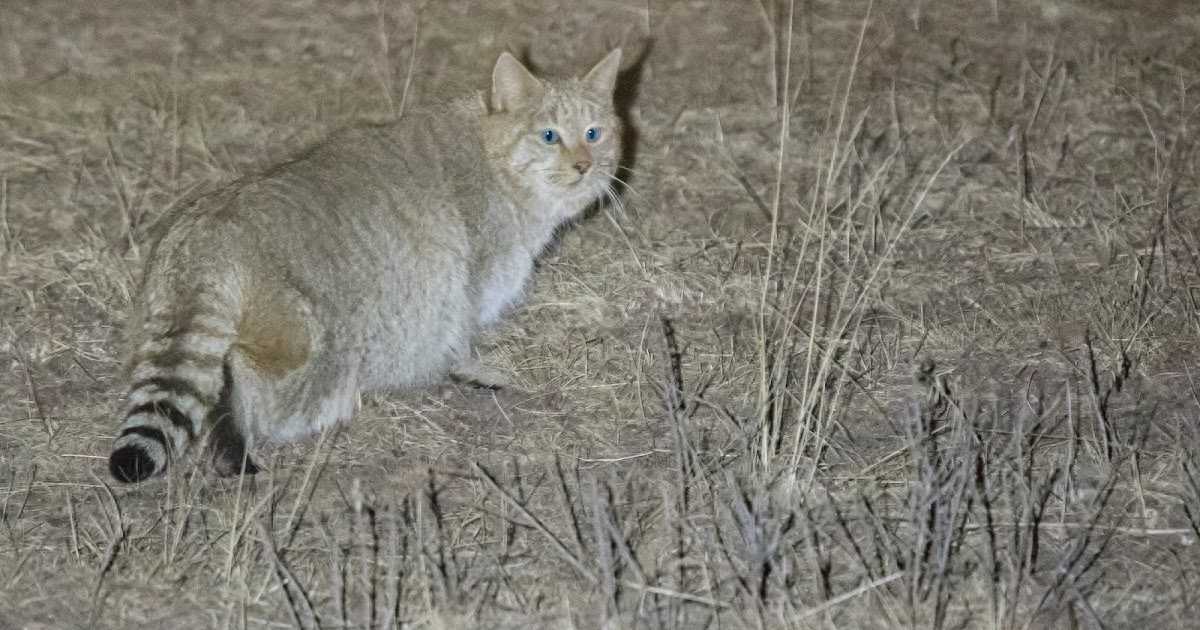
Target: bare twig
300, 605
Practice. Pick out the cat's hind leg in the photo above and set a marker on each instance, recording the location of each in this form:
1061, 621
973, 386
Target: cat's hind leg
231, 450
249, 403
277, 338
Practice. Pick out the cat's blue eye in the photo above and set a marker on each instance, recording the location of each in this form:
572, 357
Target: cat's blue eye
592, 134
549, 136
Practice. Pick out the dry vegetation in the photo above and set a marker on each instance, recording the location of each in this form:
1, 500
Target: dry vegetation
918, 353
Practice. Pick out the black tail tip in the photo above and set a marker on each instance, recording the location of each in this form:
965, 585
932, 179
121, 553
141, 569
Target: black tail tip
131, 464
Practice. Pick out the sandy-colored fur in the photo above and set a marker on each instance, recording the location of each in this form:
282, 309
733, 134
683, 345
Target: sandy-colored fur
370, 261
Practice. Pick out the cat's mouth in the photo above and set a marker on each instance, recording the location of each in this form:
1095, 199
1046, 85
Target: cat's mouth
574, 183
588, 180
580, 185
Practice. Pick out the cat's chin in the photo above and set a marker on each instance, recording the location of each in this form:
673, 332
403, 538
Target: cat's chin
585, 192
571, 192
590, 185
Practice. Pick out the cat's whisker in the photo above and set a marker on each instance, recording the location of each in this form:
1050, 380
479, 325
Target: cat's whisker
626, 186
630, 170
616, 203
607, 199
612, 199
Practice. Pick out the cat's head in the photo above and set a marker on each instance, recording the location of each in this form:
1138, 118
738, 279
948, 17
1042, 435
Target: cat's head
557, 139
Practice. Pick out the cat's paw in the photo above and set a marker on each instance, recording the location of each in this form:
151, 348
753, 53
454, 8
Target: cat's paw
234, 466
478, 375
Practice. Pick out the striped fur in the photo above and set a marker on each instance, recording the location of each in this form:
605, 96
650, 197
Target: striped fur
177, 378
367, 262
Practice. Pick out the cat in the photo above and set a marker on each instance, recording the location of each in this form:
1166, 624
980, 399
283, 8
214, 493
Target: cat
365, 263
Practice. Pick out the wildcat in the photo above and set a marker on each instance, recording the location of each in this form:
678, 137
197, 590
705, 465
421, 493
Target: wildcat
367, 262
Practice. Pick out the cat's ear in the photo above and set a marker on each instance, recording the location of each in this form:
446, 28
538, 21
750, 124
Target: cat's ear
512, 84
602, 78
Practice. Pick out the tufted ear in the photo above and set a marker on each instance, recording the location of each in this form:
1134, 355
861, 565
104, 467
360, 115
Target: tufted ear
602, 78
512, 84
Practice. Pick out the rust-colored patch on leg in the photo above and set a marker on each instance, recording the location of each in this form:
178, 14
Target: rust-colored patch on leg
273, 334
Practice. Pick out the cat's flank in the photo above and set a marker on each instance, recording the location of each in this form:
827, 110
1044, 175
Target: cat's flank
368, 262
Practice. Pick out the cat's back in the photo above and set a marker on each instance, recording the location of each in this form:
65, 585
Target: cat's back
430, 151
411, 179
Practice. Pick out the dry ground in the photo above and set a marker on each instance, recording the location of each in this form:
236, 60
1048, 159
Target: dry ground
922, 356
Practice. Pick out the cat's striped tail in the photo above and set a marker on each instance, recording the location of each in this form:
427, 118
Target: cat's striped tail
177, 377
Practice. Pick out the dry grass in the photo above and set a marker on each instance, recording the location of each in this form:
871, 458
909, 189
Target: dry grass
898, 327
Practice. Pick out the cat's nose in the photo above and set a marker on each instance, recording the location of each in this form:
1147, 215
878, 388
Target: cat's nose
582, 166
